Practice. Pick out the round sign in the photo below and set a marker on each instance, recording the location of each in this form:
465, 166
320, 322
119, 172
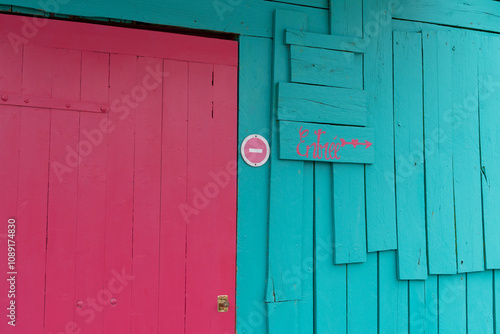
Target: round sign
255, 150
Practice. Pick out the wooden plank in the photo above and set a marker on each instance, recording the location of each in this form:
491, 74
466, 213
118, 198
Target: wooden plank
362, 295
489, 99
423, 306
408, 132
11, 63
431, 313
330, 280
330, 42
146, 214
253, 184
481, 14
10, 125
496, 296
172, 267
349, 214
392, 297
63, 195
452, 304
279, 320
200, 299
318, 104
380, 186
285, 215
466, 158
345, 18
31, 231
480, 302
308, 3
438, 154
326, 67
91, 208
224, 172
251, 18
323, 142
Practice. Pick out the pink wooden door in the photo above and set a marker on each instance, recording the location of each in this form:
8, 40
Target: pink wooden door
118, 165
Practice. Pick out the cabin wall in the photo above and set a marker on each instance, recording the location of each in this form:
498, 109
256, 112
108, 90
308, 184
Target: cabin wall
353, 248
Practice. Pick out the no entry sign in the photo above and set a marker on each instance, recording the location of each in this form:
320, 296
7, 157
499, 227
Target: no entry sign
255, 150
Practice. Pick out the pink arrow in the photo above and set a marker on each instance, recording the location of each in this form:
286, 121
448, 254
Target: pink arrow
354, 143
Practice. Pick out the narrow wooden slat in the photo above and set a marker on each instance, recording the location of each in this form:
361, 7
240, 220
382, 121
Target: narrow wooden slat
380, 187
253, 184
286, 191
408, 132
119, 185
326, 67
279, 320
147, 172
91, 207
438, 154
200, 300
63, 194
496, 296
349, 214
310, 3
362, 295
423, 306
317, 104
346, 18
11, 63
489, 100
174, 206
452, 304
466, 158
330, 42
10, 125
33, 101
223, 174
480, 303
392, 296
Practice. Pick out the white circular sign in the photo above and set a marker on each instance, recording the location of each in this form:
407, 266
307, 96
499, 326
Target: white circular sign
255, 150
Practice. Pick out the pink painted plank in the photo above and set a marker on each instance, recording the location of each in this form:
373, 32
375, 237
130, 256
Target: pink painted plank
11, 63
91, 207
93, 37
144, 311
10, 124
224, 169
32, 219
37, 71
201, 302
119, 192
63, 180
172, 288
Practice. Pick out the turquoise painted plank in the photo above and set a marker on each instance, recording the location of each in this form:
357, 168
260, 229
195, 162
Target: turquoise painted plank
496, 296
489, 100
349, 180
326, 143
326, 67
283, 317
362, 294
438, 154
349, 214
309, 3
249, 17
423, 306
466, 160
253, 187
346, 17
478, 14
306, 270
330, 42
330, 280
392, 296
380, 186
408, 132
286, 189
480, 303
452, 304
317, 104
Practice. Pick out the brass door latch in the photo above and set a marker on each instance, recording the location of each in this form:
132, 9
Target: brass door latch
223, 303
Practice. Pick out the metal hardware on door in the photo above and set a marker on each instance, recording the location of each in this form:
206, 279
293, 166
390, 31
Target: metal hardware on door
223, 303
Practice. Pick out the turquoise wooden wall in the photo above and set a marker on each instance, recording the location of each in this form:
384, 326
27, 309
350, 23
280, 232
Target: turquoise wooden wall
410, 244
